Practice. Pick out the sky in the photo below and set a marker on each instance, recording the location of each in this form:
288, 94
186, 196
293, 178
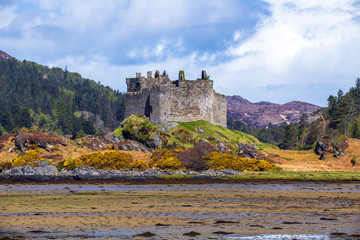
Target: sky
271, 50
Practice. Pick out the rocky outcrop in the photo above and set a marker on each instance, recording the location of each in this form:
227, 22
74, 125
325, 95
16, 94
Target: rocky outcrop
249, 151
47, 172
4, 55
97, 122
130, 145
260, 114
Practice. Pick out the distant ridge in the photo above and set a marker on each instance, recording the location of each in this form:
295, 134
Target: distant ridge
4, 55
260, 114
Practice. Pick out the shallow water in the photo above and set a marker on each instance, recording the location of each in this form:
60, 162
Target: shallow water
297, 186
263, 225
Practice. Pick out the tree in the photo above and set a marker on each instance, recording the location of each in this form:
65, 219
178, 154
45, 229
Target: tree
290, 137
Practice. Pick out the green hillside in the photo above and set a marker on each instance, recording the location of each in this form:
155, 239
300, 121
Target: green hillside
184, 134
56, 100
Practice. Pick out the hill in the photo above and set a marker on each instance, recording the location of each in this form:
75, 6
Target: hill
260, 114
176, 135
56, 100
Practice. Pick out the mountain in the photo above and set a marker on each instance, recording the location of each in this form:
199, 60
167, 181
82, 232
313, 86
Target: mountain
4, 55
260, 114
55, 100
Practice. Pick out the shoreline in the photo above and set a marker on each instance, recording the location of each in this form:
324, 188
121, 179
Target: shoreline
160, 180
50, 174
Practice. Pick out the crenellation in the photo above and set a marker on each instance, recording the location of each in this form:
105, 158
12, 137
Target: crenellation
163, 100
149, 74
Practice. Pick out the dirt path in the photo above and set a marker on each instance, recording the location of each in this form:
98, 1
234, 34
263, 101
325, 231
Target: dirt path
170, 211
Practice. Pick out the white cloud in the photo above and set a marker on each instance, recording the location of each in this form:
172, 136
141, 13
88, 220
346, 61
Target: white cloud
7, 15
310, 42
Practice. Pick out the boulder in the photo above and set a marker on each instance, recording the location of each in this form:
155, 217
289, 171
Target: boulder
338, 152
169, 126
320, 147
355, 162
249, 151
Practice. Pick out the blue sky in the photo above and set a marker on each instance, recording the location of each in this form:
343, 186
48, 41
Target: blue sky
274, 50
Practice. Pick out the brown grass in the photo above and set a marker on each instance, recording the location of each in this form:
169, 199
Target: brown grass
290, 160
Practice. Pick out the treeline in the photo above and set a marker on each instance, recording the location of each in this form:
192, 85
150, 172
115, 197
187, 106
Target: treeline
339, 120
49, 98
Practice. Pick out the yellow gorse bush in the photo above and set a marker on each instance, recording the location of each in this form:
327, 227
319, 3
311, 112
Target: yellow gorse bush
30, 158
220, 161
72, 164
139, 165
164, 159
109, 160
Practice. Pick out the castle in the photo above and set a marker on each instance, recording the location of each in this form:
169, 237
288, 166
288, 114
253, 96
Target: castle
163, 100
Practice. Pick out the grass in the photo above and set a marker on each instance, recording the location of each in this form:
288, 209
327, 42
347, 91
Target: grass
227, 136
187, 133
278, 174
298, 176
177, 176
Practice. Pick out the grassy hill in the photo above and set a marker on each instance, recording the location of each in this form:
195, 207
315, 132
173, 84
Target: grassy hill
184, 134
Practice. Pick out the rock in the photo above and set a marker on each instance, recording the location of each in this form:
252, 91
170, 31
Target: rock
192, 234
320, 147
222, 148
250, 151
43, 164
224, 221
338, 152
157, 141
11, 149
230, 172
28, 170
145, 234
169, 126
15, 171
162, 225
354, 162
222, 233
199, 129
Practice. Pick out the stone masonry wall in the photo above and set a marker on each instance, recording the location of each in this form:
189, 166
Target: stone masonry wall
163, 100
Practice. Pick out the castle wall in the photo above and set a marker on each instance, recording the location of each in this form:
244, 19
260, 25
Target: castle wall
163, 100
219, 109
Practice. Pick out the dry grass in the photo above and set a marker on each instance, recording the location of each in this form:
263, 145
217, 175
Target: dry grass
307, 161
286, 159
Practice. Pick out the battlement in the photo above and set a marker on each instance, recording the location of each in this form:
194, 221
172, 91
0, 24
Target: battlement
140, 82
163, 100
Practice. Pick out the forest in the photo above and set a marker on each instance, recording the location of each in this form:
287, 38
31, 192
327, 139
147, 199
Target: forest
340, 119
55, 100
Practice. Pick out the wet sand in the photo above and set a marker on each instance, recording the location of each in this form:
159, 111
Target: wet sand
260, 210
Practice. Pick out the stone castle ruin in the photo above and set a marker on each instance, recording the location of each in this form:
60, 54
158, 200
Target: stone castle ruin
163, 100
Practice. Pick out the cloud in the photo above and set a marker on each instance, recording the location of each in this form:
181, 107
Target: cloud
7, 15
300, 45
275, 50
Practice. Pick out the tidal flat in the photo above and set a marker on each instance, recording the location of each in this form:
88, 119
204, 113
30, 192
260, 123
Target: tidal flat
249, 210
